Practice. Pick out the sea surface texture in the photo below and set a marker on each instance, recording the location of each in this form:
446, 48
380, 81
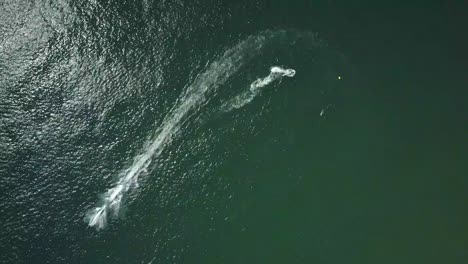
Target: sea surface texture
213, 131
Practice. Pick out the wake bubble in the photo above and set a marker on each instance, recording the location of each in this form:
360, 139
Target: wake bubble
275, 74
216, 74
256, 86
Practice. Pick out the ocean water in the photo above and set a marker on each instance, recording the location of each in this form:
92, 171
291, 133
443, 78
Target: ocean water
232, 132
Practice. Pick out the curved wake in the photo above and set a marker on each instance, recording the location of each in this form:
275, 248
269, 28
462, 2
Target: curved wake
216, 74
256, 86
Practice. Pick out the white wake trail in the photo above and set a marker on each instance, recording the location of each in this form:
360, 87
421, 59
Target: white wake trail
256, 86
216, 74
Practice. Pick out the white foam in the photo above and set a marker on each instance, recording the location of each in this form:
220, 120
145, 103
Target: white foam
283, 72
246, 97
216, 73
275, 74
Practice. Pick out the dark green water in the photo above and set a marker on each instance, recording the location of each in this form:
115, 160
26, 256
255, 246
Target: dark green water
360, 157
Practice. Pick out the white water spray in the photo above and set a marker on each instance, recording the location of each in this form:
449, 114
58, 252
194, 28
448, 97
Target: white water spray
256, 86
216, 74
